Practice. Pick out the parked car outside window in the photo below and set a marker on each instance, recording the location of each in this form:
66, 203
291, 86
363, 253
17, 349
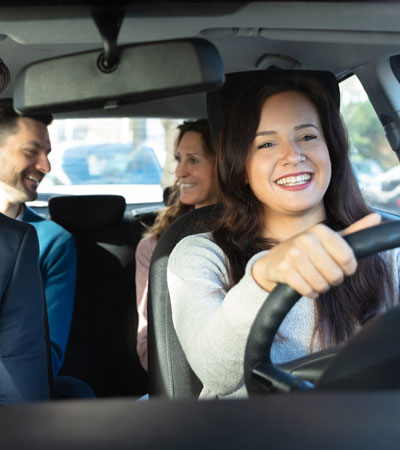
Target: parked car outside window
126, 156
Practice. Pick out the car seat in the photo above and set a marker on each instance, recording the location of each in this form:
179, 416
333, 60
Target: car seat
169, 372
62, 387
102, 344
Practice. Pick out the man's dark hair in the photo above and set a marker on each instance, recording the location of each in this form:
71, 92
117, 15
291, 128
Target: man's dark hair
9, 118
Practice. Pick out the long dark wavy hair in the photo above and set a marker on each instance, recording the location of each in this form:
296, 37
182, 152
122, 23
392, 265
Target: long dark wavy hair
240, 230
175, 208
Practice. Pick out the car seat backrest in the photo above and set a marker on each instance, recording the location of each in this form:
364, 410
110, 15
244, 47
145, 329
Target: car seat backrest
169, 372
87, 212
102, 344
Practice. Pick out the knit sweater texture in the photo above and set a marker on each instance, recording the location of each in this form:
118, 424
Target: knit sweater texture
213, 325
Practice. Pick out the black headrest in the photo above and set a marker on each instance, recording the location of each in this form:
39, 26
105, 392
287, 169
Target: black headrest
86, 212
237, 83
166, 194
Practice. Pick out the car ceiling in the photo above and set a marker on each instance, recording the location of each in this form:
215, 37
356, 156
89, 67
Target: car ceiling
335, 36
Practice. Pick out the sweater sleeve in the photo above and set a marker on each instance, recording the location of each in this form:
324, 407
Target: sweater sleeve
144, 252
212, 325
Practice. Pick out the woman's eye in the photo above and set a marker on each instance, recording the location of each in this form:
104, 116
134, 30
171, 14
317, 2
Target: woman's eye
308, 137
194, 161
265, 145
177, 158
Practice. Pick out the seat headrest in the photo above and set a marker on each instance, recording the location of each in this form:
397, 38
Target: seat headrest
237, 83
86, 212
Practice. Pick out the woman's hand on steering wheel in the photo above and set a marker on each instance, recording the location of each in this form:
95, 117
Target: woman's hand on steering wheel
311, 262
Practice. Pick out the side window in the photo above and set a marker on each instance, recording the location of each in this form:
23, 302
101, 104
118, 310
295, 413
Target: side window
374, 162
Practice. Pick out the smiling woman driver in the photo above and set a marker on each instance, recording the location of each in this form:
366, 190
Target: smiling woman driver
289, 193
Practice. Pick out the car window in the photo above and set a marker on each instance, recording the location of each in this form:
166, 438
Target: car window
130, 157
374, 162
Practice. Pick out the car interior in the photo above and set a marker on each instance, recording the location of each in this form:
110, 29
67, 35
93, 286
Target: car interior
118, 78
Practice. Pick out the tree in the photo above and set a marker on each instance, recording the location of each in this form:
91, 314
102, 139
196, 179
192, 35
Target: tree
366, 134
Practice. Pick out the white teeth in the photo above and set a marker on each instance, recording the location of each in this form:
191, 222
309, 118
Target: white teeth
187, 185
294, 181
30, 177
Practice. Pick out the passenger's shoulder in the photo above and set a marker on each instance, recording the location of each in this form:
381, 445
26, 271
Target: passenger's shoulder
147, 242
144, 249
13, 226
52, 229
46, 228
15, 236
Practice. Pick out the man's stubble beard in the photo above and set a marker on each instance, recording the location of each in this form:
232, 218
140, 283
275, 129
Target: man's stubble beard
17, 194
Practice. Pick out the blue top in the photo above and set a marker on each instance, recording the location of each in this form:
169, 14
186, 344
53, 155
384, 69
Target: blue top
57, 261
23, 350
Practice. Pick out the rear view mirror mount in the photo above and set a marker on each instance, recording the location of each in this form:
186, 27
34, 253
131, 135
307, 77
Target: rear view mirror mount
145, 71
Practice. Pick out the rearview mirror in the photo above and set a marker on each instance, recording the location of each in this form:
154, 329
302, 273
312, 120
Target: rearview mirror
145, 71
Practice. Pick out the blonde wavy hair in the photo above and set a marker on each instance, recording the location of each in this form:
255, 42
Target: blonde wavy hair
175, 208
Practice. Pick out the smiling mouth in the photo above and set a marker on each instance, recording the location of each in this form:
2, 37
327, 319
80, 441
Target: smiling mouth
31, 178
294, 180
187, 185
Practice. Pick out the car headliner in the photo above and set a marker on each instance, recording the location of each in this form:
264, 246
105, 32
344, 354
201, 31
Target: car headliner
335, 36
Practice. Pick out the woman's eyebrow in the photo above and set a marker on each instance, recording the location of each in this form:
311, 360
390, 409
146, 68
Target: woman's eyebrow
297, 127
265, 133
189, 154
305, 125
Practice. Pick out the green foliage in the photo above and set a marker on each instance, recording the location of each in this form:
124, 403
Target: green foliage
366, 134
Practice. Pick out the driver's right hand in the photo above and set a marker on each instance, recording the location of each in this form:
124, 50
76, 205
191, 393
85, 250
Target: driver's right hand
311, 262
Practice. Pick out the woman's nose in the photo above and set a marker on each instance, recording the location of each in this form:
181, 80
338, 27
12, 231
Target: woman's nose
181, 170
292, 153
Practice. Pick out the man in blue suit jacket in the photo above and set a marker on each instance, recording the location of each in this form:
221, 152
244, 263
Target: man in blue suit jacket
23, 351
24, 150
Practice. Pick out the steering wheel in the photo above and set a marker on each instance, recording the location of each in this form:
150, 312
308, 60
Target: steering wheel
260, 374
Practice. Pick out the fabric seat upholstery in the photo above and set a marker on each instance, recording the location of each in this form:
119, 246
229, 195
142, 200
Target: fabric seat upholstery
102, 345
169, 372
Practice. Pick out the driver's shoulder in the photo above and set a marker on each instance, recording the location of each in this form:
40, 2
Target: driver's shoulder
197, 249
199, 241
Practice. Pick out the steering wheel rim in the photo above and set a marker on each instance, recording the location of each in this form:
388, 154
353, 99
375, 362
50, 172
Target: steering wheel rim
260, 374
